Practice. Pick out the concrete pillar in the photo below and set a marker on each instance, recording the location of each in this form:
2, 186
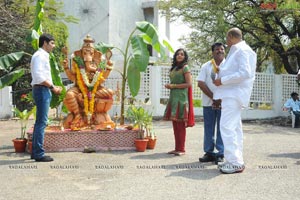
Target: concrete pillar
6, 102
155, 75
277, 95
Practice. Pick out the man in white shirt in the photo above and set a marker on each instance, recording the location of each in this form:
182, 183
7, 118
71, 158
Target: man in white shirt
41, 91
293, 104
209, 71
235, 84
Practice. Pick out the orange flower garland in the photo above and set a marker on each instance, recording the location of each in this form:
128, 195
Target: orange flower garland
88, 96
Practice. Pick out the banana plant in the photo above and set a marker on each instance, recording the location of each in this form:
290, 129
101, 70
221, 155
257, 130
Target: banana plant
55, 73
136, 56
8, 73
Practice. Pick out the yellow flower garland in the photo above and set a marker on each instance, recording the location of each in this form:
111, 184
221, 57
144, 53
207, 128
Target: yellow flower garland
215, 68
88, 104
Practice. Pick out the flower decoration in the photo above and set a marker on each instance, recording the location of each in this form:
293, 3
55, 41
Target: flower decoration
87, 88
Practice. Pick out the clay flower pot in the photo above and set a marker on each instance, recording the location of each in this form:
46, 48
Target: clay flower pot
20, 145
29, 146
151, 143
141, 144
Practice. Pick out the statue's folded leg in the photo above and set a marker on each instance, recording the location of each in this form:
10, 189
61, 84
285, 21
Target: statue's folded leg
71, 103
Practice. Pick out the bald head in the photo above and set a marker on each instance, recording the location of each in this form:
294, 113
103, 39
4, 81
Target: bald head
234, 36
235, 32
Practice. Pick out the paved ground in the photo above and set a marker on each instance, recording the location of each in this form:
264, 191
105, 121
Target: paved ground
272, 156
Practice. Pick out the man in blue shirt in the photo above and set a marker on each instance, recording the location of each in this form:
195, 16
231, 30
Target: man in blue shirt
294, 105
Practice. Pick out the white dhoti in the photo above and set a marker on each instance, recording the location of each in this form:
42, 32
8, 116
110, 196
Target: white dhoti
231, 131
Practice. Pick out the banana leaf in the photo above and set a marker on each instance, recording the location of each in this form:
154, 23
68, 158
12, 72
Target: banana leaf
134, 78
140, 53
7, 61
10, 75
150, 30
56, 79
103, 47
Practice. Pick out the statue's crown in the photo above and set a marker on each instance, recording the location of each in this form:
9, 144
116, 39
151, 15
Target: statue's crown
88, 41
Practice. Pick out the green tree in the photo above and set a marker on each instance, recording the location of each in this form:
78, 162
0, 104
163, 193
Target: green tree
17, 18
14, 27
272, 33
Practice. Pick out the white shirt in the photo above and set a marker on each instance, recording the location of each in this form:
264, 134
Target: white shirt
40, 67
205, 76
294, 105
237, 74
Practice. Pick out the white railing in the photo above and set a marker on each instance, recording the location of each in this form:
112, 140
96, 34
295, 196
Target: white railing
269, 93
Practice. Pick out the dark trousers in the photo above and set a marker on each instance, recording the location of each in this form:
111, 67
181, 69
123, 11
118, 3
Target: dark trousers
297, 117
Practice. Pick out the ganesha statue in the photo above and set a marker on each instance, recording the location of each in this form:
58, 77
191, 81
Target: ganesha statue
88, 101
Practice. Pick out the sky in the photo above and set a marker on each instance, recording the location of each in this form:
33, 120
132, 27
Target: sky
177, 30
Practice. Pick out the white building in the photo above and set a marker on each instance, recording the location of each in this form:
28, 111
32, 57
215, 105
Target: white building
112, 21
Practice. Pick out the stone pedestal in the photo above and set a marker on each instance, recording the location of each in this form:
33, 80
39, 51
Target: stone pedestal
67, 140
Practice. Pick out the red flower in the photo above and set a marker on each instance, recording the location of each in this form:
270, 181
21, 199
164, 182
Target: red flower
23, 96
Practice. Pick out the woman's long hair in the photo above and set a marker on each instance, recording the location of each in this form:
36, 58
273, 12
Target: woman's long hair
181, 64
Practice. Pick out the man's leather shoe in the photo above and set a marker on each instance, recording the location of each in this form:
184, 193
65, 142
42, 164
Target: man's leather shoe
31, 156
44, 159
219, 159
207, 158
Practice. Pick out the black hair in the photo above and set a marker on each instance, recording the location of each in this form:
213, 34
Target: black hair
45, 37
217, 44
294, 94
184, 62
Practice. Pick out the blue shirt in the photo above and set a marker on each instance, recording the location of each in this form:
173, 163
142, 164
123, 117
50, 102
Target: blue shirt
291, 104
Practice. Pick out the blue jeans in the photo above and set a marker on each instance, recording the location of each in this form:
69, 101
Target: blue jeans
42, 98
211, 121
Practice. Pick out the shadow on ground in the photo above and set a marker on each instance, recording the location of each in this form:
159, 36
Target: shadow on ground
286, 155
193, 170
154, 156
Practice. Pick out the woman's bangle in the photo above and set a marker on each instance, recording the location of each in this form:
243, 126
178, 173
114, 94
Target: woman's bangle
173, 85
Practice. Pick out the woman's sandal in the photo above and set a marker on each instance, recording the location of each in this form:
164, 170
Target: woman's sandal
179, 153
172, 152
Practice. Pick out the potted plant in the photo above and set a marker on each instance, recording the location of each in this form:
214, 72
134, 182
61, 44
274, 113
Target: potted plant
140, 118
9, 68
151, 136
20, 142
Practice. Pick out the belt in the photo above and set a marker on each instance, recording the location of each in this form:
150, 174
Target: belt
38, 85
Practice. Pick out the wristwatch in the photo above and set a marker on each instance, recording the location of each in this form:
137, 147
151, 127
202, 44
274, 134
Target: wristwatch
51, 87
